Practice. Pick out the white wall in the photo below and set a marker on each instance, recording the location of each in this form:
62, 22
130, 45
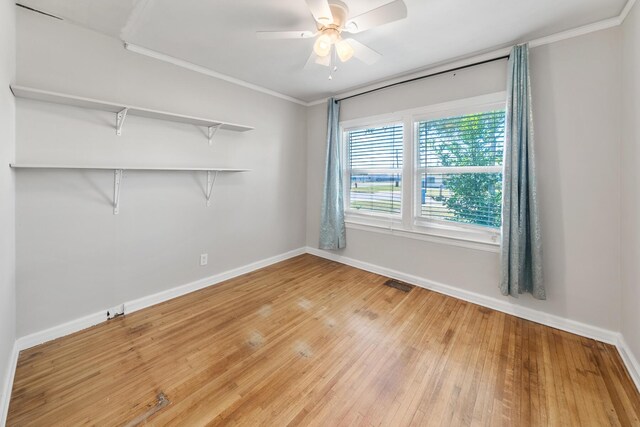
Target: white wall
631, 182
576, 94
74, 257
7, 195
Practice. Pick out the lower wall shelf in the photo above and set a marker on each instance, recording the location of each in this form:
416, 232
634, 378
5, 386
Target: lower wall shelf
212, 174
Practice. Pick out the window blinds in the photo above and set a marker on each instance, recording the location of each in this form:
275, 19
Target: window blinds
460, 165
375, 148
375, 169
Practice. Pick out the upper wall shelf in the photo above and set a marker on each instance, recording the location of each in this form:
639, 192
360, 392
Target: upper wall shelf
122, 110
136, 168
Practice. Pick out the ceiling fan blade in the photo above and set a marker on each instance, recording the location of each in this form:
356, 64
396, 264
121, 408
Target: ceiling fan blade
275, 35
363, 53
390, 12
319, 60
321, 11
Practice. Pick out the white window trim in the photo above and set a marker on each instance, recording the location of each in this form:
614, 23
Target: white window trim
346, 172
409, 224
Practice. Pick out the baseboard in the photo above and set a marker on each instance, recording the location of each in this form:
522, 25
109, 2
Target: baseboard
8, 384
526, 313
163, 296
578, 328
547, 319
76, 325
61, 330
629, 360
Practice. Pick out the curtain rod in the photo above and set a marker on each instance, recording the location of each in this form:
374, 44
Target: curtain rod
486, 61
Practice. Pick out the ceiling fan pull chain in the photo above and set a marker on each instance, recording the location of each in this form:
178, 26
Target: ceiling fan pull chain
332, 66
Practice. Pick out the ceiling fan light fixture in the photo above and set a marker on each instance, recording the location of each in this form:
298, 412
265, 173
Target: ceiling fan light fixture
322, 46
344, 50
332, 21
333, 34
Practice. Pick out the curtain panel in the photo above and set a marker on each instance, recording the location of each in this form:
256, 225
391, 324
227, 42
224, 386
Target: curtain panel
332, 229
521, 250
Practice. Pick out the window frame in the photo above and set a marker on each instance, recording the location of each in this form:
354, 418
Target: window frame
418, 218
347, 171
410, 223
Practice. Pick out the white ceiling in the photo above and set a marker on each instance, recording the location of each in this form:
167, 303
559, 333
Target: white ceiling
220, 34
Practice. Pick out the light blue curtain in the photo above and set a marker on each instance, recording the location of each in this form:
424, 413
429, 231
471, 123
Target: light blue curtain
332, 231
521, 268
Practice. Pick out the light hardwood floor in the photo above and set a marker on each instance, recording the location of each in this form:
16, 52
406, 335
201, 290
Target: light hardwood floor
313, 342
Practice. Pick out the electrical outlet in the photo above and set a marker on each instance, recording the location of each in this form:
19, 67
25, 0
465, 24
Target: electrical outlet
204, 259
115, 311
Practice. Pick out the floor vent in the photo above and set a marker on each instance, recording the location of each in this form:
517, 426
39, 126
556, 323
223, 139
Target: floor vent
404, 287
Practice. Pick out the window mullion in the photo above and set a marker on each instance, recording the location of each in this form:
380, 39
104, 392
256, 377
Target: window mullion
464, 169
407, 173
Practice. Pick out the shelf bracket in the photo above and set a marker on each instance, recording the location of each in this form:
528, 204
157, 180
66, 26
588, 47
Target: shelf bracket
211, 131
117, 184
120, 116
211, 180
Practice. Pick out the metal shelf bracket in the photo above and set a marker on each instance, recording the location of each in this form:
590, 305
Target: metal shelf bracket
211, 131
211, 180
120, 116
117, 184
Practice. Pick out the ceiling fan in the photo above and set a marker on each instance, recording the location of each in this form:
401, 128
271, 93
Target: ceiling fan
332, 20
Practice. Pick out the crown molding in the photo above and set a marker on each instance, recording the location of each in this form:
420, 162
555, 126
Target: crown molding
209, 72
576, 32
134, 18
553, 38
627, 9
541, 41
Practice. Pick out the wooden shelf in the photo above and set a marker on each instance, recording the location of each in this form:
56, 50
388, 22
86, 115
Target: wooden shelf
122, 110
212, 174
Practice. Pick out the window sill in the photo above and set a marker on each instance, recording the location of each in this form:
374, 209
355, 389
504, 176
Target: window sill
476, 241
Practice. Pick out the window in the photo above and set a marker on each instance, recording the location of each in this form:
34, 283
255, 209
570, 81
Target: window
435, 171
460, 168
375, 169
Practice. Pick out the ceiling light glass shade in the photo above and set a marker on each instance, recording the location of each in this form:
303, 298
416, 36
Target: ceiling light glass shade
344, 50
322, 46
333, 34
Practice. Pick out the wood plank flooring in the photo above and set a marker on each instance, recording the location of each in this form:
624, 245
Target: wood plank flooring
313, 342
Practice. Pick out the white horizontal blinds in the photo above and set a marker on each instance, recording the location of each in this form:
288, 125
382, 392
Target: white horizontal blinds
375, 169
376, 148
460, 168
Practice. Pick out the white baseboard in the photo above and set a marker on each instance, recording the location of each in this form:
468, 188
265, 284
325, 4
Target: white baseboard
150, 300
554, 321
147, 301
547, 319
58, 331
8, 385
629, 360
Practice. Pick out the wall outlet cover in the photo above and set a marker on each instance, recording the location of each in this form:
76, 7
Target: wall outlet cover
204, 259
